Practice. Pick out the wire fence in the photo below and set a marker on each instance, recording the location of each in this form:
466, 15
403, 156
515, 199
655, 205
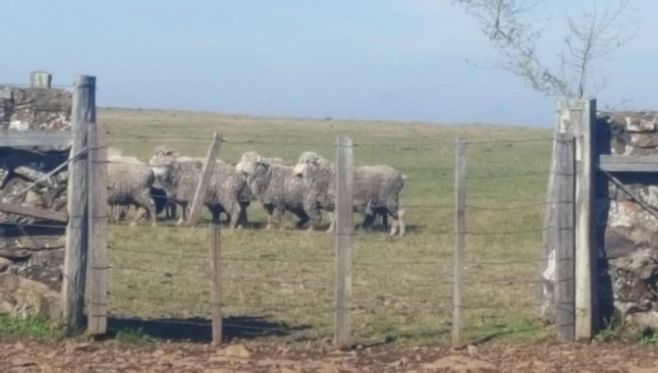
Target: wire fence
284, 280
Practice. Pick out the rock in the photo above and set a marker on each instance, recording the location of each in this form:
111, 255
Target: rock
4, 264
644, 319
20, 297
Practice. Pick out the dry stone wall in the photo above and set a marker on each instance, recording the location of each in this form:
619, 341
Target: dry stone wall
628, 231
32, 251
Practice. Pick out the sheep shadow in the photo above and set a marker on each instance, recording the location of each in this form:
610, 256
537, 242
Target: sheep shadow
198, 329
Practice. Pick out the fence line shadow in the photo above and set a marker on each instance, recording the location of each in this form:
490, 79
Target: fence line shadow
198, 329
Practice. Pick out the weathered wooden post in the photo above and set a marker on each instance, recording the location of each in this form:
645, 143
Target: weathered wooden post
460, 237
215, 283
206, 175
569, 230
98, 218
583, 116
75, 257
40, 79
344, 230
564, 238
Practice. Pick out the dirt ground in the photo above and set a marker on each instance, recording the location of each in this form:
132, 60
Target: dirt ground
69, 356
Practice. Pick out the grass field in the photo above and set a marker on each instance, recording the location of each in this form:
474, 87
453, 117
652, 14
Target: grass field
279, 283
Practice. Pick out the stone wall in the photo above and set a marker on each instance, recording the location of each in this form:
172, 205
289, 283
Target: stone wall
628, 232
32, 251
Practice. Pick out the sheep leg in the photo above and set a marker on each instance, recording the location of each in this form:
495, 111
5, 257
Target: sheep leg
270, 212
183, 215
244, 219
368, 220
398, 227
279, 216
385, 219
235, 215
303, 219
145, 201
314, 215
170, 210
401, 223
215, 212
332, 222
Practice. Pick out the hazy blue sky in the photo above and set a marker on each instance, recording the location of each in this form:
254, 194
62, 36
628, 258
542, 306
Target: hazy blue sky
377, 59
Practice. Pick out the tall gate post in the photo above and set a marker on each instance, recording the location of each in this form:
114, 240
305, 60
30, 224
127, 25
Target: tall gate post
75, 256
583, 116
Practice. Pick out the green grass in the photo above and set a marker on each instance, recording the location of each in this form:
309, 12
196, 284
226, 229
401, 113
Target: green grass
30, 327
134, 336
163, 271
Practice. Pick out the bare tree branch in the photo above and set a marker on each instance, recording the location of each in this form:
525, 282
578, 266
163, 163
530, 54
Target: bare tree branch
592, 35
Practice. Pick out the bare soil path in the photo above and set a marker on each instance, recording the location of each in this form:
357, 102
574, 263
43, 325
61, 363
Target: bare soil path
69, 356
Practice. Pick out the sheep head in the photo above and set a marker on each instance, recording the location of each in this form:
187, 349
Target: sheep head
308, 162
251, 163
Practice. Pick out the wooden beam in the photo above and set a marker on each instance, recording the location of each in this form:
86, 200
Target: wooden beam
583, 117
344, 230
628, 163
75, 255
33, 212
204, 181
460, 237
34, 138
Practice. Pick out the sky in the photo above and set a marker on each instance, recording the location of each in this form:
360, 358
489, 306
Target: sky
360, 59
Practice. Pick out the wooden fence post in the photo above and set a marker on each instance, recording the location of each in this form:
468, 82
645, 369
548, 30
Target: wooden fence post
460, 235
98, 217
206, 175
216, 285
40, 79
75, 257
564, 242
583, 116
344, 230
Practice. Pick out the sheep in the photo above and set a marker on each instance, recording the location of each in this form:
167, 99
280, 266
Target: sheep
375, 189
275, 186
129, 183
179, 177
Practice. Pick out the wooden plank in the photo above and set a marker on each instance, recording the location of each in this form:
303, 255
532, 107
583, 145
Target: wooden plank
12, 138
33, 212
215, 283
344, 231
565, 244
206, 175
583, 116
550, 235
75, 256
98, 218
460, 239
628, 163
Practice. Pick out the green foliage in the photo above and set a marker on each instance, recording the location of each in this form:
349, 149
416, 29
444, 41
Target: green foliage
134, 336
30, 327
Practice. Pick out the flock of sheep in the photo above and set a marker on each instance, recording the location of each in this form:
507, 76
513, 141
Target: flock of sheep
169, 180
